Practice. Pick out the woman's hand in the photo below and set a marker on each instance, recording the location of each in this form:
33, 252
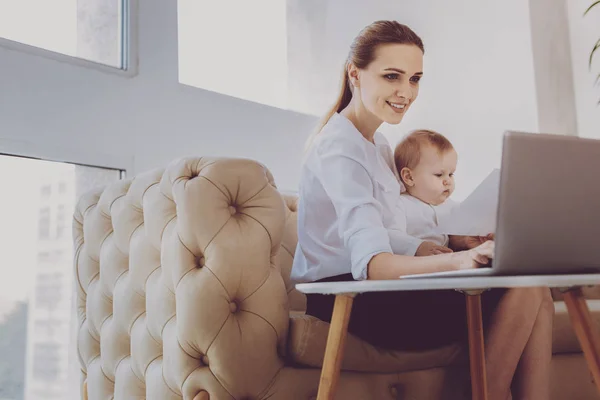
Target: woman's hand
475, 257
431, 249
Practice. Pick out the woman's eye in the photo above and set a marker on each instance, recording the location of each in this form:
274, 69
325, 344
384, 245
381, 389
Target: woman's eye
391, 77
452, 175
438, 175
415, 79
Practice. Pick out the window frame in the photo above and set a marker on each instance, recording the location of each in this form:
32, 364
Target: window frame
129, 47
25, 149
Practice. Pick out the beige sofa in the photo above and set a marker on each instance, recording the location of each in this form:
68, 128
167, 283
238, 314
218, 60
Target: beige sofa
183, 291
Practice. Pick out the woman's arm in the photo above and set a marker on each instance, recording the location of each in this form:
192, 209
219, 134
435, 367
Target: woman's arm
344, 176
392, 266
346, 181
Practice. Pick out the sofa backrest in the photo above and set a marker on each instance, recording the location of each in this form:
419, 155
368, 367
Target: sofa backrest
179, 289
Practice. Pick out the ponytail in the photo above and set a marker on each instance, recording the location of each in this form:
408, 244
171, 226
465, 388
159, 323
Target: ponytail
343, 99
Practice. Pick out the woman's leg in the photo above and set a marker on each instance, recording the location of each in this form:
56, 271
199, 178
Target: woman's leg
510, 330
532, 379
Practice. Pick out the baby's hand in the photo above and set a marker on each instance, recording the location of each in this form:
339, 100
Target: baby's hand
431, 249
469, 242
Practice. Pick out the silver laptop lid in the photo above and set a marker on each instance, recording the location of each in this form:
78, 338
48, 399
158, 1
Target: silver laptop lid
549, 204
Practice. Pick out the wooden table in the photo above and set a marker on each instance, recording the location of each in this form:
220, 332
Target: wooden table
586, 331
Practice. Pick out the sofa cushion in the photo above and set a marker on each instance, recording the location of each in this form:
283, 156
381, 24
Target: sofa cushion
431, 384
569, 379
308, 336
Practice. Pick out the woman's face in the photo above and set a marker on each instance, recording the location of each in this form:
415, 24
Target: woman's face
390, 84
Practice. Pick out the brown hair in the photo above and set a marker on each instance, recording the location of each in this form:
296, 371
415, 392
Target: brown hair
408, 152
362, 53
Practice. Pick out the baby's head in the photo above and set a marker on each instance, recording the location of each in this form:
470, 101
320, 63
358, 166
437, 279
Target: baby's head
426, 162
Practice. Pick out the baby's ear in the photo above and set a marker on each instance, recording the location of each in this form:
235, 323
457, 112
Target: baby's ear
406, 175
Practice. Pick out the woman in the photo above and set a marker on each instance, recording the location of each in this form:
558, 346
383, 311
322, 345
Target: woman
346, 229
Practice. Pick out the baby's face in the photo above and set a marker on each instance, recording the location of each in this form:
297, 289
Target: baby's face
433, 178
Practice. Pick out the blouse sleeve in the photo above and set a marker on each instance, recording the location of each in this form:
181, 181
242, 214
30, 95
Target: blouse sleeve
360, 222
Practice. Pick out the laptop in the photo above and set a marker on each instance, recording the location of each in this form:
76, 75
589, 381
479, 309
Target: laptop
548, 214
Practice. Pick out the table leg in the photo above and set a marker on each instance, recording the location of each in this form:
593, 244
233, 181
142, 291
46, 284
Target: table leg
585, 329
476, 346
334, 350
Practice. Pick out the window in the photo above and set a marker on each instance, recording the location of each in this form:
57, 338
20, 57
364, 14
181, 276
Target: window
60, 256
61, 221
50, 326
93, 30
284, 53
37, 322
241, 54
46, 359
54, 257
44, 223
44, 257
45, 191
48, 291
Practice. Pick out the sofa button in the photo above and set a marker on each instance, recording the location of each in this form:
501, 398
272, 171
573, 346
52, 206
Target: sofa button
204, 360
200, 262
232, 210
203, 395
233, 307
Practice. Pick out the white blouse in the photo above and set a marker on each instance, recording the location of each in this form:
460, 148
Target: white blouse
348, 193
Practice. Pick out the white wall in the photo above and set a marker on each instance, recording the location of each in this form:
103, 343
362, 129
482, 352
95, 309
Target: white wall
479, 79
241, 54
479, 82
552, 63
585, 32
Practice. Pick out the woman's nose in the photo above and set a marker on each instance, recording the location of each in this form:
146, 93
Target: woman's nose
404, 91
405, 94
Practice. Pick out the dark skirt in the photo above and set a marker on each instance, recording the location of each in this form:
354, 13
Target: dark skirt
406, 320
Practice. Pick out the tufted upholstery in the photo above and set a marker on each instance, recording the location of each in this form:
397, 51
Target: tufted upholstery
178, 288
183, 291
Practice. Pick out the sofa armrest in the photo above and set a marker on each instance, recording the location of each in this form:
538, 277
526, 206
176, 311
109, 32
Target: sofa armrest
232, 307
178, 292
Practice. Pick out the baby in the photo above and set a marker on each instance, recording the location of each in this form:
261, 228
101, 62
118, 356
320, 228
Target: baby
426, 162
